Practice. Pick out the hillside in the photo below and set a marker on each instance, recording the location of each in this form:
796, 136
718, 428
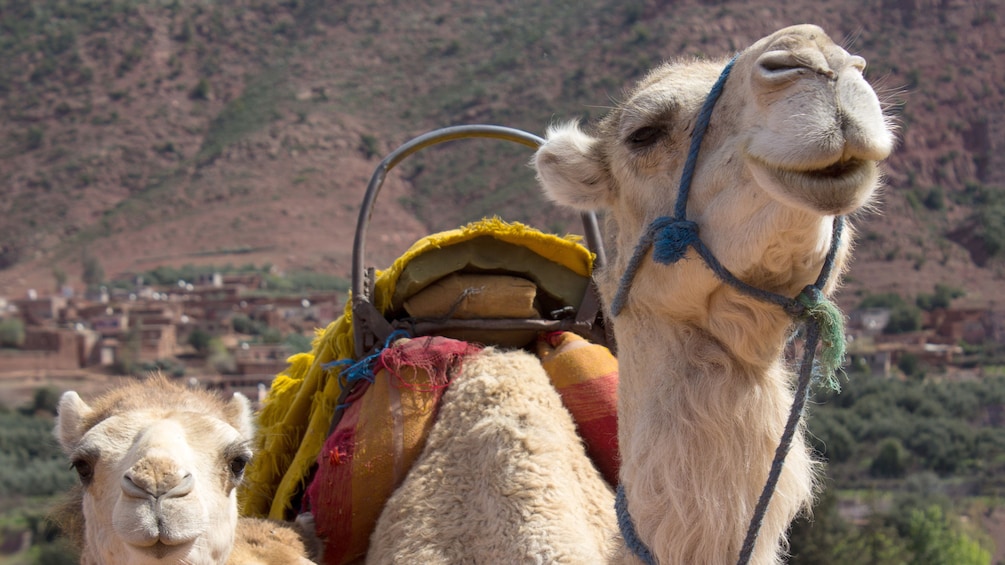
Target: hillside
147, 133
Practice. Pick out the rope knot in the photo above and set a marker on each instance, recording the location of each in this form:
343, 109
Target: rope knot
671, 238
830, 321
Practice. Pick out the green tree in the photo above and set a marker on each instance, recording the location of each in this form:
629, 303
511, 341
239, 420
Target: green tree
903, 319
298, 343
128, 354
935, 199
201, 91
242, 324
60, 276
93, 273
910, 364
220, 358
874, 545
891, 462
941, 298
45, 399
936, 540
11, 332
882, 300
271, 336
200, 339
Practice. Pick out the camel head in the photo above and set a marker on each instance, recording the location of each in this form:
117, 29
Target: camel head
159, 464
793, 141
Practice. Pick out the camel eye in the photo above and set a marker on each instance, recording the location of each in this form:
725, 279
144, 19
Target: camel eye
644, 137
84, 470
237, 465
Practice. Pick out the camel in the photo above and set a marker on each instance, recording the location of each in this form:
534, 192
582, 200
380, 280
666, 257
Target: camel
159, 464
503, 477
704, 393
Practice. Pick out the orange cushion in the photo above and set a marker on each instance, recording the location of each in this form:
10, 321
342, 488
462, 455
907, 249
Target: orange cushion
586, 376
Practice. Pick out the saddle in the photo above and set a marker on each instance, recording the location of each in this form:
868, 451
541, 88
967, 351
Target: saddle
341, 427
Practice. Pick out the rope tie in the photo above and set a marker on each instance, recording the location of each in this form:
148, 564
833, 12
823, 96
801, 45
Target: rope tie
671, 238
830, 323
362, 370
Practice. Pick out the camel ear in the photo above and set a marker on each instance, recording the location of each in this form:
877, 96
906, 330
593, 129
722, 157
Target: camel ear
240, 415
570, 169
71, 413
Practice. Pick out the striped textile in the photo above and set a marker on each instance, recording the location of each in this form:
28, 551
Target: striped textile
586, 376
381, 433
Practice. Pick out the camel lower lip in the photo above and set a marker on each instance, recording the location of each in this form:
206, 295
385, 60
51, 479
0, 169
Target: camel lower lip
835, 189
837, 170
839, 177
842, 174
159, 549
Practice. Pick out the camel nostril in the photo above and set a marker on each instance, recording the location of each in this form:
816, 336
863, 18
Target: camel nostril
779, 66
184, 486
170, 485
778, 62
133, 490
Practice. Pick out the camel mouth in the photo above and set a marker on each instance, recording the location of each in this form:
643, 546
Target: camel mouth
838, 170
838, 188
159, 549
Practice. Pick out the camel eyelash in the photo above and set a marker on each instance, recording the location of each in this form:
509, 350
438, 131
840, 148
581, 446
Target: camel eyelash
645, 136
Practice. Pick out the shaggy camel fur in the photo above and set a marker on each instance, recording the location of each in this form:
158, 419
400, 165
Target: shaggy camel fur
159, 464
704, 391
503, 477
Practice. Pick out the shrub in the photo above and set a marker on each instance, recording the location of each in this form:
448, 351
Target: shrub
200, 339
891, 462
935, 199
942, 298
882, 300
34, 138
200, 91
903, 319
94, 273
910, 364
369, 145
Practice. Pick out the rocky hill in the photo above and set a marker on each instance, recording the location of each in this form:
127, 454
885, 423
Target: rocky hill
143, 133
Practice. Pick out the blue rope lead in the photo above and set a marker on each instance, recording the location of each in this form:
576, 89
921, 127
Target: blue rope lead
627, 528
362, 370
700, 126
782, 451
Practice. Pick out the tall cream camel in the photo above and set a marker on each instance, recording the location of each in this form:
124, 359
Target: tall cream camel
704, 393
159, 464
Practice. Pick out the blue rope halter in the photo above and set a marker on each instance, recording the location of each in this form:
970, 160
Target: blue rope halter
670, 238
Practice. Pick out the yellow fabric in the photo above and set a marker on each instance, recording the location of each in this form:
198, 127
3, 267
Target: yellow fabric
296, 415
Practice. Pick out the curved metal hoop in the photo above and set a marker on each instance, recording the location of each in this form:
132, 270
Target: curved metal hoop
360, 290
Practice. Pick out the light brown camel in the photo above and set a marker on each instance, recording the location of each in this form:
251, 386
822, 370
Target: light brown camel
704, 392
503, 477
159, 464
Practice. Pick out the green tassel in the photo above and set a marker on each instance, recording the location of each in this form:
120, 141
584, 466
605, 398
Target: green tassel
830, 320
